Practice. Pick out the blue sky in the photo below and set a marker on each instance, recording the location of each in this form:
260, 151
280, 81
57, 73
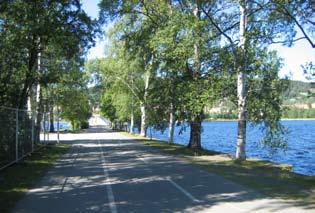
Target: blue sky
293, 57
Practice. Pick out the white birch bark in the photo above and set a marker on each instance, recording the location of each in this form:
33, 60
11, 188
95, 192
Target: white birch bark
241, 88
143, 131
195, 123
132, 123
171, 127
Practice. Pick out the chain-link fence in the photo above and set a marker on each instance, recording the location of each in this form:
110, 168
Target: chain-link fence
20, 134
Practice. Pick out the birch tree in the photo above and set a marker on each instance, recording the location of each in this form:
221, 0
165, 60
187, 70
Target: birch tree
241, 87
244, 26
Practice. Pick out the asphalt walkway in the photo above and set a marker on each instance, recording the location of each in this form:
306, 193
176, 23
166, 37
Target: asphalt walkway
108, 172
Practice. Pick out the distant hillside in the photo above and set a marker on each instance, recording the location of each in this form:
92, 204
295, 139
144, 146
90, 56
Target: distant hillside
297, 89
299, 95
298, 100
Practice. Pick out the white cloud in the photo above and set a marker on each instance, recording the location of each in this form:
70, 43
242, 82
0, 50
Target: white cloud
97, 51
294, 57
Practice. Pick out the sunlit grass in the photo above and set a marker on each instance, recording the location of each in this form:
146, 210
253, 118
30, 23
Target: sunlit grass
17, 179
275, 180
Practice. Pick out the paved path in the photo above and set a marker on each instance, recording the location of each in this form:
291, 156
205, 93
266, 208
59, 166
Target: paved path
108, 172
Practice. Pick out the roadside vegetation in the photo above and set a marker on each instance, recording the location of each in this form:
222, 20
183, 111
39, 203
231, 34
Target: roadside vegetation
17, 179
42, 58
43, 45
278, 182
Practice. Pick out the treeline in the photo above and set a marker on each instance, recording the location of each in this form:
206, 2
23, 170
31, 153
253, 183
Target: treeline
295, 113
289, 113
221, 115
43, 44
167, 60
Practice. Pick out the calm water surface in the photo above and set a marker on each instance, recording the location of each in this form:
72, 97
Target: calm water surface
221, 136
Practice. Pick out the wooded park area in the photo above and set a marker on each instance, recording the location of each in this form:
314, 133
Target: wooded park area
165, 61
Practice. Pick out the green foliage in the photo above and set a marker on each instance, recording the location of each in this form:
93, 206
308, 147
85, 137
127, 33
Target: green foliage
70, 94
195, 59
265, 88
92, 68
107, 108
84, 124
75, 107
52, 30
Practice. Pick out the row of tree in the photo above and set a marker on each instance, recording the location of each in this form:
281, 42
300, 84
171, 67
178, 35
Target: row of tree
43, 43
299, 113
167, 60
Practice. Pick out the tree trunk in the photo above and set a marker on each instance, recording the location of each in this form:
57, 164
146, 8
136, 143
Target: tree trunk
143, 130
132, 119
73, 125
51, 117
196, 120
132, 123
33, 57
39, 117
39, 101
241, 88
31, 102
58, 124
171, 127
195, 133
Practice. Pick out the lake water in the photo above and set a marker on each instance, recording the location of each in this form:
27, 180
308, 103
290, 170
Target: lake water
221, 136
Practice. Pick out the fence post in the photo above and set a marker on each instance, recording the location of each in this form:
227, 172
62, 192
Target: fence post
48, 125
32, 130
44, 128
45, 133
16, 135
57, 124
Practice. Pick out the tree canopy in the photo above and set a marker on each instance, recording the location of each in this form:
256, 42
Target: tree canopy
166, 62
176, 58
43, 43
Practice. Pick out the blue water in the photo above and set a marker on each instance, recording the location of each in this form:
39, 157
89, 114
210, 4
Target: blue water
62, 126
221, 136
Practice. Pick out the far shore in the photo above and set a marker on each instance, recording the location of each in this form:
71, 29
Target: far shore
298, 119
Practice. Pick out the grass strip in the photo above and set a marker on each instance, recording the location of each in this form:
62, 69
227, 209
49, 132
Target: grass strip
268, 178
16, 180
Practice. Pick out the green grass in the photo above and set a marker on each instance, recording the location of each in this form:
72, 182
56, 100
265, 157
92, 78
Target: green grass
274, 180
17, 179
